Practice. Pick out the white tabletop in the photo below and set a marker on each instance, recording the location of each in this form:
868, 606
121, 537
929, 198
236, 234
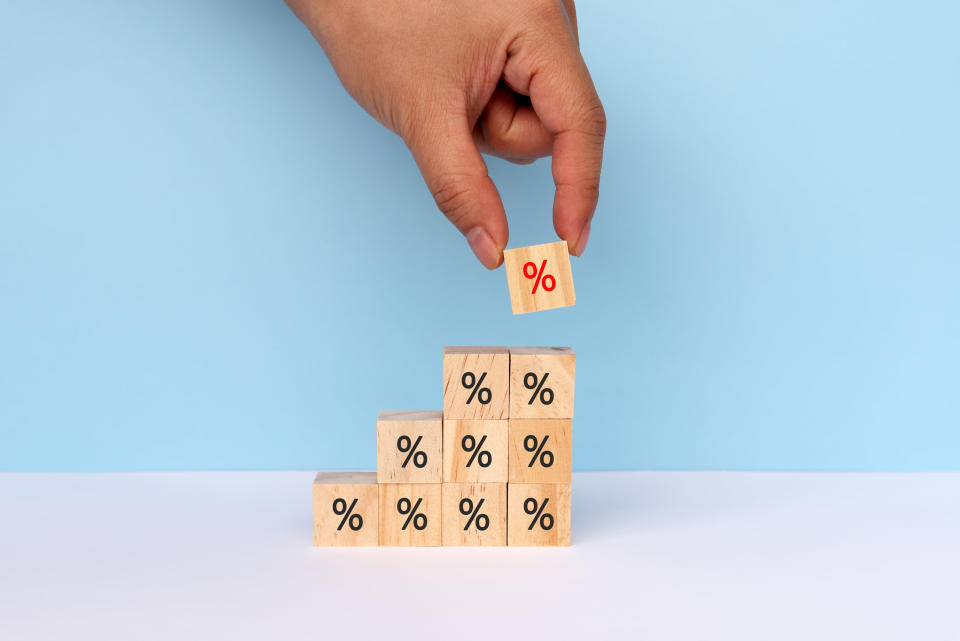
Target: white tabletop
664, 555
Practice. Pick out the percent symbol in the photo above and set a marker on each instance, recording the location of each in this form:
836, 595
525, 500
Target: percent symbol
354, 521
531, 444
538, 277
410, 449
531, 507
405, 508
470, 382
531, 382
480, 455
467, 508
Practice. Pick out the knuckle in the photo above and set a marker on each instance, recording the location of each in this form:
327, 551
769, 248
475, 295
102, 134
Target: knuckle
594, 119
501, 140
588, 186
452, 195
545, 8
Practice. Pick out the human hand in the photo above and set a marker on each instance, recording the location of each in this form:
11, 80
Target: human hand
455, 79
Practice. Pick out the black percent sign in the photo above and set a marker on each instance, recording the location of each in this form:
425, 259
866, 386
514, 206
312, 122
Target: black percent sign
532, 508
410, 510
354, 521
531, 444
531, 382
480, 455
467, 508
410, 449
470, 382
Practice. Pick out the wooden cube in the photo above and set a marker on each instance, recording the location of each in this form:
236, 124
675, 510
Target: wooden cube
542, 382
538, 514
346, 509
539, 277
474, 451
476, 382
409, 446
540, 450
474, 513
410, 514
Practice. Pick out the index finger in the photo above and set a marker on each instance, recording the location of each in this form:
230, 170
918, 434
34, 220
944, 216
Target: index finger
564, 97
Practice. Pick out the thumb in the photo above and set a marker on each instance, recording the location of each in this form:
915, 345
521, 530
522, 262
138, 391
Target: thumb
456, 175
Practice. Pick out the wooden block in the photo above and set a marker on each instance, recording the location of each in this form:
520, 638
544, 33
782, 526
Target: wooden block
474, 513
474, 451
476, 382
410, 514
540, 450
409, 446
539, 277
346, 509
542, 382
538, 514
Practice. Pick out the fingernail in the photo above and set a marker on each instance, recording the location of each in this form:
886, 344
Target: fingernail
582, 241
484, 247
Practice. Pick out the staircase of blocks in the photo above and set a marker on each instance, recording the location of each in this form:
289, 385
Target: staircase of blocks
492, 468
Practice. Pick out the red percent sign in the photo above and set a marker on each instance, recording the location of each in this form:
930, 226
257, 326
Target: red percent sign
530, 272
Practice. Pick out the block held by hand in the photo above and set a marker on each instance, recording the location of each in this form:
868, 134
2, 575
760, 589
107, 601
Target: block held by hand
539, 277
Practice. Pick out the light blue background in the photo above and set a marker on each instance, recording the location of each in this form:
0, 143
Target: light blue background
211, 258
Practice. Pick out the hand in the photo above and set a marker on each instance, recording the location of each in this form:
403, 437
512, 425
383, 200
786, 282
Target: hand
456, 78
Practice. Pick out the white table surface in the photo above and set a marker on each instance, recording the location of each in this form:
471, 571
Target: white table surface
683, 555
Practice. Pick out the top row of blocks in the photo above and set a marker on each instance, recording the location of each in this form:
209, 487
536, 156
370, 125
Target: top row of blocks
498, 383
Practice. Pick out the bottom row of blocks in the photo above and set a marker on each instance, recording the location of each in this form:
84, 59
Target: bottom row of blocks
349, 508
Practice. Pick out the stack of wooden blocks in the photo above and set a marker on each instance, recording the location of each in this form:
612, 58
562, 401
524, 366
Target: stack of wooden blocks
492, 468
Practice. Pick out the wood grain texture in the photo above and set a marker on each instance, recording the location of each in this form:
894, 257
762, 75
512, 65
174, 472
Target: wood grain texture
552, 370
525, 527
345, 488
527, 466
462, 439
522, 297
494, 362
474, 513
396, 499
427, 425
